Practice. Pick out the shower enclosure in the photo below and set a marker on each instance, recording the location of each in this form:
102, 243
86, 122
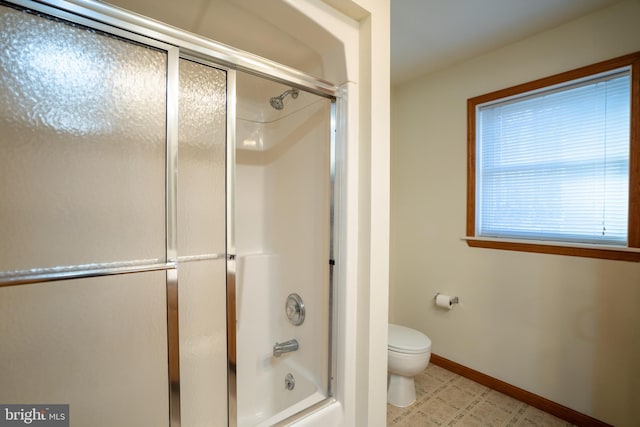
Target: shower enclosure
167, 222
283, 194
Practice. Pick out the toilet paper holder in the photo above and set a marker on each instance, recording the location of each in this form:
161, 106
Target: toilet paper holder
453, 300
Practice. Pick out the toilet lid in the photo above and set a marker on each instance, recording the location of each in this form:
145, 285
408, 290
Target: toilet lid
407, 340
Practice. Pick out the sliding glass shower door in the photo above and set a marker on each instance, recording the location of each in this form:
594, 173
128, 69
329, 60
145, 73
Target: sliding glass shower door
128, 267
202, 243
112, 263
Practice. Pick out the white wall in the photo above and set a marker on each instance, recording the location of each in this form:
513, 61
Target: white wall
363, 27
373, 223
565, 328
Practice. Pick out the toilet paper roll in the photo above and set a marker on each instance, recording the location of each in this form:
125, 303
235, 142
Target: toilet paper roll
444, 301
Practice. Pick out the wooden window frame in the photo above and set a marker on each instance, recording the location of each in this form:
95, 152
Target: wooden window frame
629, 253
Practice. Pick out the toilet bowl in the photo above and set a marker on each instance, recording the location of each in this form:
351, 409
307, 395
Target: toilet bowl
408, 352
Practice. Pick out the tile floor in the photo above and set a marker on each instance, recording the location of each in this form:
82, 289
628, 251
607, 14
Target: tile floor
447, 399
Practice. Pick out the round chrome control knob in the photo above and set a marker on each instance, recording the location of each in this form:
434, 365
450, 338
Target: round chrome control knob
294, 308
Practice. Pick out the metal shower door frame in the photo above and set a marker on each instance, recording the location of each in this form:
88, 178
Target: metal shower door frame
181, 44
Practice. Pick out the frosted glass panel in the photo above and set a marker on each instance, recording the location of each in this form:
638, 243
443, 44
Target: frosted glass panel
201, 159
83, 119
98, 344
203, 343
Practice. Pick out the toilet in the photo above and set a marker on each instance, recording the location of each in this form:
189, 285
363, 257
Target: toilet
409, 352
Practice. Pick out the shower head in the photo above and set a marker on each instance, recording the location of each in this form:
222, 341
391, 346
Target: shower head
277, 102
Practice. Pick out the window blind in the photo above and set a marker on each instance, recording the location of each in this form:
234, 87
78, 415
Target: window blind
554, 165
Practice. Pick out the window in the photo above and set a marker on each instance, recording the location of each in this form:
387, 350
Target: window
554, 164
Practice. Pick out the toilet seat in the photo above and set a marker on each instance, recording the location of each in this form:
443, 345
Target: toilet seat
408, 341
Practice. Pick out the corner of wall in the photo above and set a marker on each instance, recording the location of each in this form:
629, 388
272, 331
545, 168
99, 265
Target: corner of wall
360, 25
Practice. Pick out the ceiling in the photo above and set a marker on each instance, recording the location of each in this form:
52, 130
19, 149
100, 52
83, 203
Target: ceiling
427, 35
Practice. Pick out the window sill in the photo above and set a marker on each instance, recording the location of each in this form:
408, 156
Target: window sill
544, 247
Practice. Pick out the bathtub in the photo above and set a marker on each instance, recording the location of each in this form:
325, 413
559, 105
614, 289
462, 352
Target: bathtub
278, 403
262, 396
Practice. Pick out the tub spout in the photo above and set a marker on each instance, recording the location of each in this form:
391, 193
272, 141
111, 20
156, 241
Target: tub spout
284, 347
